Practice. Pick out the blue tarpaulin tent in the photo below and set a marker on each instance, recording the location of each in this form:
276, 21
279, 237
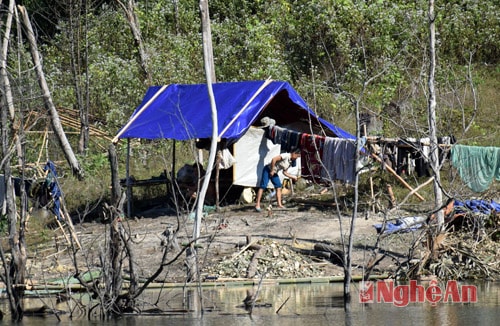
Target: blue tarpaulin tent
182, 112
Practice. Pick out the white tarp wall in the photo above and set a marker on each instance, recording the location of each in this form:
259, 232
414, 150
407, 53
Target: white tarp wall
252, 152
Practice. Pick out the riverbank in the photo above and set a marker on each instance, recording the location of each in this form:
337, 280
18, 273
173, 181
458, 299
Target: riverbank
223, 233
303, 241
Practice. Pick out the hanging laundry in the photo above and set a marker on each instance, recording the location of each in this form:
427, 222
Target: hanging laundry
311, 152
337, 163
226, 159
288, 139
53, 186
338, 158
413, 156
403, 164
477, 166
420, 155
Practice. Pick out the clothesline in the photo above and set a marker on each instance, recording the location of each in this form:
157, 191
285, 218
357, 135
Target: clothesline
322, 158
401, 142
478, 166
329, 158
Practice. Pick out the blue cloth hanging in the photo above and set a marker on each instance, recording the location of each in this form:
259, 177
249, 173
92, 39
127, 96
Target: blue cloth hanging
53, 186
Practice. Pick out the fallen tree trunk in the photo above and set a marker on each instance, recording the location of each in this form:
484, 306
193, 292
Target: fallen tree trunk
335, 256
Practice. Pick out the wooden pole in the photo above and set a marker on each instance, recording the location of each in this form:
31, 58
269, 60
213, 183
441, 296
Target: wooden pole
398, 177
217, 173
173, 159
127, 181
391, 196
62, 229
416, 189
371, 178
372, 194
67, 218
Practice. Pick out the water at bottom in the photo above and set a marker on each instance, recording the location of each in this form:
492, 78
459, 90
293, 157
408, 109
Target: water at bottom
299, 304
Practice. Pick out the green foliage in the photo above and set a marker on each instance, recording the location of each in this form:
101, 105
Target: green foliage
342, 42
467, 27
94, 164
332, 51
4, 224
252, 53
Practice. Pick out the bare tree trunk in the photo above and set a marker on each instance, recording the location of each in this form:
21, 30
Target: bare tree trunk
207, 44
56, 123
348, 261
115, 181
76, 65
465, 127
213, 146
84, 116
136, 32
348, 253
209, 73
114, 271
434, 154
14, 277
15, 268
7, 91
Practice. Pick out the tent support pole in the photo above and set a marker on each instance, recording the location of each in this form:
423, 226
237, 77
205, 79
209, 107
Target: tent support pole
217, 172
127, 175
173, 160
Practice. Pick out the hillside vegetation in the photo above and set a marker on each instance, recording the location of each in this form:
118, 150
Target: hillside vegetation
327, 49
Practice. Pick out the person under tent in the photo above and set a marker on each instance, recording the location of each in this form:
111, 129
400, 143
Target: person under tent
279, 163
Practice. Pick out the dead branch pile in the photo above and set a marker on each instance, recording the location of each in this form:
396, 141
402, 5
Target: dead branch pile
266, 258
464, 257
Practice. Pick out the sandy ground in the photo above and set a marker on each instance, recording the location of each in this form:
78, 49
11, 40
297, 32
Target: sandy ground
224, 233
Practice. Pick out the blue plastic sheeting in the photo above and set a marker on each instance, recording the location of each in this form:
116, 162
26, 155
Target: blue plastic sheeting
405, 224
53, 186
183, 112
477, 206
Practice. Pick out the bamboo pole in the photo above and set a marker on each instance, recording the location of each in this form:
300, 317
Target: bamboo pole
75, 124
43, 145
261, 88
416, 189
148, 103
70, 224
398, 177
377, 139
62, 229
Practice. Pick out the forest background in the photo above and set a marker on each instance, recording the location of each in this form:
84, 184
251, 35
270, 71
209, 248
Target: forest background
99, 57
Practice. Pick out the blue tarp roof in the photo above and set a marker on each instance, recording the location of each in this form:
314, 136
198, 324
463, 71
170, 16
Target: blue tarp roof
182, 112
